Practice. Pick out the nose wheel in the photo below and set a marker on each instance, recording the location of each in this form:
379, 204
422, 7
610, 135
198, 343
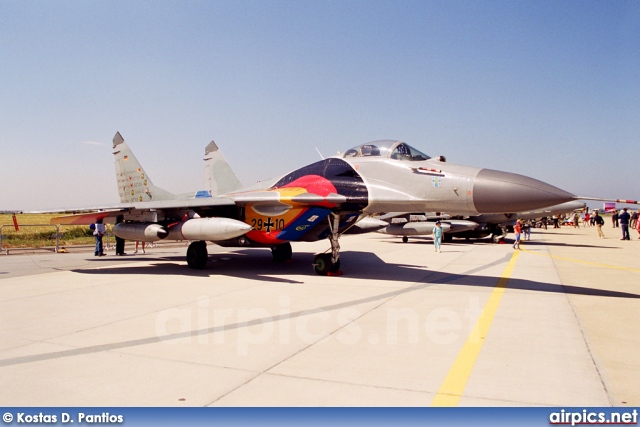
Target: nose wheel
323, 265
326, 264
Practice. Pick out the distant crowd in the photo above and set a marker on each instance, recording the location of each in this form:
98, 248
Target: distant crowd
619, 219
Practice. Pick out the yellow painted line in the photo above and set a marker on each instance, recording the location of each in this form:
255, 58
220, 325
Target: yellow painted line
454, 384
580, 261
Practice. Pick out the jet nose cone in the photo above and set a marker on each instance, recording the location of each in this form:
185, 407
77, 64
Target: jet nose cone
500, 192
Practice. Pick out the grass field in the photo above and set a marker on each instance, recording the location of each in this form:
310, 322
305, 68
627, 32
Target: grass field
41, 235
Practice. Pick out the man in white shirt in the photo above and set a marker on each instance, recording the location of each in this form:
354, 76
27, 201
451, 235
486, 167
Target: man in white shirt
98, 232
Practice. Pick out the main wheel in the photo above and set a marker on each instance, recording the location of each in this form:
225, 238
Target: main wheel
324, 266
405, 239
282, 253
498, 234
197, 255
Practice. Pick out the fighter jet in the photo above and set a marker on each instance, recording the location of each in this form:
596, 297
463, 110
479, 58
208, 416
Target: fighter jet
470, 227
322, 200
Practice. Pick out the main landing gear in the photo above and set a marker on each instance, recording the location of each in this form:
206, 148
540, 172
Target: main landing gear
197, 255
282, 253
328, 264
498, 234
325, 264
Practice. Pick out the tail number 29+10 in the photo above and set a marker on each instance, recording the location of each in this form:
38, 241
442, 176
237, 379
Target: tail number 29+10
268, 224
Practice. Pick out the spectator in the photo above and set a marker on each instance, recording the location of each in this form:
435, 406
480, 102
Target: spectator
517, 230
437, 236
120, 242
624, 224
98, 232
599, 222
526, 230
136, 250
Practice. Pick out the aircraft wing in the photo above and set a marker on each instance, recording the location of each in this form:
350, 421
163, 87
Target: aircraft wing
85, 218
141, 208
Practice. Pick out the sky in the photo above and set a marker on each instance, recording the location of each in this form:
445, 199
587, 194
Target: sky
547, 89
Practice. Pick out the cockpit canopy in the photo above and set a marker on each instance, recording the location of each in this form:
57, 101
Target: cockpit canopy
396, 150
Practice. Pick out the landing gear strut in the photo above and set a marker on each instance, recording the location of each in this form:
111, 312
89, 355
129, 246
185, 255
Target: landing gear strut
330, 263
498, 234
282, 253
197, 255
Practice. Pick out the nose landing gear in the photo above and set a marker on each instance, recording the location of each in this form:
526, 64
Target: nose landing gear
329, 264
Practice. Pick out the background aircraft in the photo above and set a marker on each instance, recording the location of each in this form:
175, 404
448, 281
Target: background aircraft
321, 200
470, 227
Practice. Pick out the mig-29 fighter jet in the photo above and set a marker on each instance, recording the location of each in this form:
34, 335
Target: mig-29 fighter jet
322, 200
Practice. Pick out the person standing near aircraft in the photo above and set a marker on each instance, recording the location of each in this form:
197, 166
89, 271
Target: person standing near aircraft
136, 250
624, 224
437, 236
526, 230
98, 232
517, 229
543, 222
119, 241
599, 222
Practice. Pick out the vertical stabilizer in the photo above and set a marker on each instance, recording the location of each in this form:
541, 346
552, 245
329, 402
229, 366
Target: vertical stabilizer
134, 185
218, 175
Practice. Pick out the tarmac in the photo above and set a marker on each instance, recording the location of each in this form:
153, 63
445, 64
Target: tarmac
480, 324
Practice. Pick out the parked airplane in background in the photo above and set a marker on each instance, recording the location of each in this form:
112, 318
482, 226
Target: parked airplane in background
470, 227
322, 200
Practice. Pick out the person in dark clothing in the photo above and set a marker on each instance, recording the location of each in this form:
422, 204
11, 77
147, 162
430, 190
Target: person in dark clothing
599, 222
119, 242
624, 224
